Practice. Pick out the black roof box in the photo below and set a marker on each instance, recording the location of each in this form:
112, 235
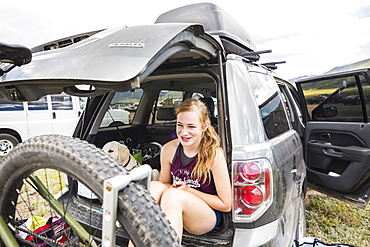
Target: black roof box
215, 22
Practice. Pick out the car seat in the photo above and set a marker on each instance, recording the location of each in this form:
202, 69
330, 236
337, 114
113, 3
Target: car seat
211, 110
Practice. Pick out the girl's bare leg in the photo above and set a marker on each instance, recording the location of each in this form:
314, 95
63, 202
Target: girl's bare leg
156, 190
185, 210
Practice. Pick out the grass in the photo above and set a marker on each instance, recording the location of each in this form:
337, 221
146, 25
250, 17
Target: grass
313, 92
333, 221
29, 199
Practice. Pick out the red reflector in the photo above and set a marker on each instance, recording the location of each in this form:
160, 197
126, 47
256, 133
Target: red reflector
246, 210
250, 171
252, 196
267, 183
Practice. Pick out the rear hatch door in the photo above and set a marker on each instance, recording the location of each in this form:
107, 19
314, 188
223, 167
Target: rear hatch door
112, 60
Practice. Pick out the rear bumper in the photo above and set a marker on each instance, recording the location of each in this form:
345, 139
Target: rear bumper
260, 236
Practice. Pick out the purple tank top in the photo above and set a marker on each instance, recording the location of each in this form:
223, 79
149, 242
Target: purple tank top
182, 172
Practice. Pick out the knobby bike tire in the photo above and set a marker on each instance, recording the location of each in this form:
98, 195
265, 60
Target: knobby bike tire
138, 214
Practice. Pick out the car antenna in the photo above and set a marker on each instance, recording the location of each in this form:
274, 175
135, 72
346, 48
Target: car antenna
254, 55
272, 65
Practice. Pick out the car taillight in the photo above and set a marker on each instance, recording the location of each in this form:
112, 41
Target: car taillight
252, 183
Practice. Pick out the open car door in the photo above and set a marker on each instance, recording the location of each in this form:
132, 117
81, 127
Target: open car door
337, 134
117, 59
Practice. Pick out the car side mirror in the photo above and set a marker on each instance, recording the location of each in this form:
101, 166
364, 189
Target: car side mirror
329, 111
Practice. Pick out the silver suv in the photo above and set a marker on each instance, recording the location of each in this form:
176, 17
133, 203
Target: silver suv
262, 119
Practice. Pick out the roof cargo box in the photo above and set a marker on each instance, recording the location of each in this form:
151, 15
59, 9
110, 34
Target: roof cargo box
215, 22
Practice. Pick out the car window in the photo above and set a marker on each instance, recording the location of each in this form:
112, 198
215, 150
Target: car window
82, 102
269, 100
168, 101
61, 102
122, 108
7, 105
366, 92
286, 103
337, 99
41, 104
164, 107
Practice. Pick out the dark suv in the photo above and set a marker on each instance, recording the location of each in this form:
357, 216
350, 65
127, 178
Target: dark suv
262, 119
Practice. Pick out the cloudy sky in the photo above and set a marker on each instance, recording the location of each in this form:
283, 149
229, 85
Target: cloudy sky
312, 36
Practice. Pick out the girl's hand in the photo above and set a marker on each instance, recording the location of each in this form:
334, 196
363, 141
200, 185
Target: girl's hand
179, 185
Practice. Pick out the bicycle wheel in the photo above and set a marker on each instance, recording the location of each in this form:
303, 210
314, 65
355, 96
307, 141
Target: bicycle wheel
56, 165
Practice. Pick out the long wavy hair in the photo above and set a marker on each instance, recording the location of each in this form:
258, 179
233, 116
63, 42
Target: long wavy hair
210, 141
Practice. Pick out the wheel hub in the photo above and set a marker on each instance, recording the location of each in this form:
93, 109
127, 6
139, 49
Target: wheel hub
5, 147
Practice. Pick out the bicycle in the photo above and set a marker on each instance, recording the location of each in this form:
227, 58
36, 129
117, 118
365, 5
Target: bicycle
27, 193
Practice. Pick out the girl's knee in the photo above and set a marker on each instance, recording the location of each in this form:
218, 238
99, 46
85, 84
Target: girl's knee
171, 199
175, 195
171, 192
157, 186
157, 189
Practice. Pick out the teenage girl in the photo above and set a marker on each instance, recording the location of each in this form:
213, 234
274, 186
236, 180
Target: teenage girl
194, 185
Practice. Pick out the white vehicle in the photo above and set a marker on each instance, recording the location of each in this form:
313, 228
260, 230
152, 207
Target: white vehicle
19, 121
115, 117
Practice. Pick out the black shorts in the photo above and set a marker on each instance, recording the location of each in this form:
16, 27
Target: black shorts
218, 217
218, 220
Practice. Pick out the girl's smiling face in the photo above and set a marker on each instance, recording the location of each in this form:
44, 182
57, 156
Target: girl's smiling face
189, 128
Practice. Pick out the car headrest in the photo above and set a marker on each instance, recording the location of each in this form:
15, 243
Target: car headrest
166, 114
210, 105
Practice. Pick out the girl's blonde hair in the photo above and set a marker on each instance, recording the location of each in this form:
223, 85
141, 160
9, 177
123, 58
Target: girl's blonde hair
210, 141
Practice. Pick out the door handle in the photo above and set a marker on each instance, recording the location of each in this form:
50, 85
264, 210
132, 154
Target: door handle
294, 171
333, 152
325, 136
296, 177
54, 115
